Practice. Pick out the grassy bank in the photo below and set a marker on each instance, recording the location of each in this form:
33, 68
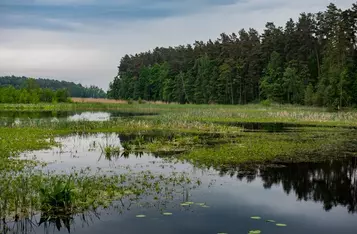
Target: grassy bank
209, 113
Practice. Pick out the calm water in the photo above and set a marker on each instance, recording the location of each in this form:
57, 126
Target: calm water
9, 117
308, 197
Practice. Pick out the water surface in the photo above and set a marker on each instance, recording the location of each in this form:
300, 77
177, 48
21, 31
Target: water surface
307, 197
10, 117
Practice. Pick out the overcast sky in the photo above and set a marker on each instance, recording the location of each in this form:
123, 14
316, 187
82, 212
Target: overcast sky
84, 40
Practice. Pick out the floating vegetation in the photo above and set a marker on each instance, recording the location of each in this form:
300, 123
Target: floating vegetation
184, 204
140, 216
254, 232
60, 194
270, 221
203, 135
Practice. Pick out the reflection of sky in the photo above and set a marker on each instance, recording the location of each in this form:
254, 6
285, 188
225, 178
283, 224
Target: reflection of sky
90, 116
231, 201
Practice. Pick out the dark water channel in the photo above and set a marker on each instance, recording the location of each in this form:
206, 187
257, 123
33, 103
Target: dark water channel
307, 197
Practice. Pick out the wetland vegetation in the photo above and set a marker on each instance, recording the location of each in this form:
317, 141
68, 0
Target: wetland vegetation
246, 141
282, 161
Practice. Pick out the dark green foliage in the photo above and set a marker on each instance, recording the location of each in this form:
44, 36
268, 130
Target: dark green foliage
32, 95
310, 61
58, 194
75, 90
309, 95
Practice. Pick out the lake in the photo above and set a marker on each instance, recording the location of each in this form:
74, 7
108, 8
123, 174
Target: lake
316, 197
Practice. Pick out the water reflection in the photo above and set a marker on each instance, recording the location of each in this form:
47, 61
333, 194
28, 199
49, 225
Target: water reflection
9, 117
90, 116
48, 224
289, 193
332, 183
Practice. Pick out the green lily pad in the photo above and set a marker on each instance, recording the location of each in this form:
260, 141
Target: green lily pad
270, 221
281, 225
167, 213
184, 204
255, 217
254, 232
141, 216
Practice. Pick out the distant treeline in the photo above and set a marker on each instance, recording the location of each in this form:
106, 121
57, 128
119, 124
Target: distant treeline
75, 90
310, 61
32, 93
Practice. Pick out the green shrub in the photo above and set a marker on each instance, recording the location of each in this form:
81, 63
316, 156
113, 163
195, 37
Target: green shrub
266, 102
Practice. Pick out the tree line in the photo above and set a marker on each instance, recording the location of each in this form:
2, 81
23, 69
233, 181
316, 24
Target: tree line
310, 61
75, 90
32, 93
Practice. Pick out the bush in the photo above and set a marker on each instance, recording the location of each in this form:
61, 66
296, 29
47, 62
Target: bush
266, 102
141, 101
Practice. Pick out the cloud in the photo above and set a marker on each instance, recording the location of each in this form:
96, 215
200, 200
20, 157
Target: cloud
87, 46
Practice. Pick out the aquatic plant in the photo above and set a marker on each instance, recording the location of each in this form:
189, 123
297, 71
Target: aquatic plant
110, 151
57, 194
28, 191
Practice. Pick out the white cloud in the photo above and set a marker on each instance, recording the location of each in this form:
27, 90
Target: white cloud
91, 56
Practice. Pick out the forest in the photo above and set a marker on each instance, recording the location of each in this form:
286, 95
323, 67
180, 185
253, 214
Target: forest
75, 90
310, 61
32, 93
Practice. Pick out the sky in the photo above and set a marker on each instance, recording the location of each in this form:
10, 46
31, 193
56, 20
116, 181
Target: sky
83, 40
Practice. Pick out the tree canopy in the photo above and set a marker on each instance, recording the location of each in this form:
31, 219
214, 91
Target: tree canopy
32, 93
74, 90
310, 61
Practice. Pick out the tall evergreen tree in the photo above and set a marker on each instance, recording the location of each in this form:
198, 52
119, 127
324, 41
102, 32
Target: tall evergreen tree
311, 61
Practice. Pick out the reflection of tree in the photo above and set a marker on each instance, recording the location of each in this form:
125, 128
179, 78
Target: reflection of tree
333, 183
123, 114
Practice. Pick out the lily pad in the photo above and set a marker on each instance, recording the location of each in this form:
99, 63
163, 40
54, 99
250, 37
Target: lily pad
270, 221
254, 232
205, 206
200, 204
184, 204
222, 233
190, 203
255, 217
167, 213
141, 216
281, 225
